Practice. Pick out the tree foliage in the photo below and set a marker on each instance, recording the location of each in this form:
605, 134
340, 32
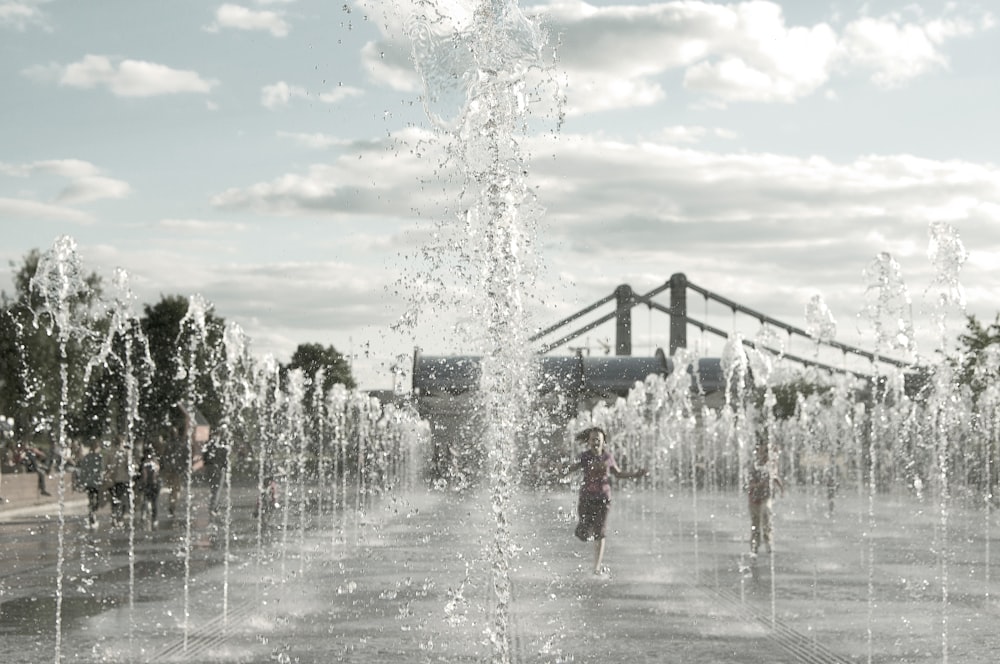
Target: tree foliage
977, 362
37, 350
171, 356
787, 395
312, 358
184, 359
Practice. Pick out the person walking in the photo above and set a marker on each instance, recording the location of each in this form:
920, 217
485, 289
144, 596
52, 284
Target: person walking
174, 455
119, 477
762, 480
594, 500
90, 475
215, 456
31, 458
148, 485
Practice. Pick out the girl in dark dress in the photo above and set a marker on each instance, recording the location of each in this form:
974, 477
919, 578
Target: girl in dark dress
597, 464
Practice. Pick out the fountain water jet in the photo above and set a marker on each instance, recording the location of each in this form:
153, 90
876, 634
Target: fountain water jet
947, 254
126, 344
475, 74
193, 339
233, 382
61, 285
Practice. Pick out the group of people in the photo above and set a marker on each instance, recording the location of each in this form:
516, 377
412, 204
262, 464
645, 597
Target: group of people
111, 472
106, 471
594, 500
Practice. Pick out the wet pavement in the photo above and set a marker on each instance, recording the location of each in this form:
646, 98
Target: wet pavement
409, 580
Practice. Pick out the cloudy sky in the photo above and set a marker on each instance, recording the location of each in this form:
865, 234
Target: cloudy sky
274, 157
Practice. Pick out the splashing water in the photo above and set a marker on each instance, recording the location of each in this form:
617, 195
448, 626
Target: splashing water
475, 68
887, 305
947, 254
820, 323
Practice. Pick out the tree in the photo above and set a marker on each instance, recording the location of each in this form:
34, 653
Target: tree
171, 346
122, 369
32, 360
978, 350
310, 358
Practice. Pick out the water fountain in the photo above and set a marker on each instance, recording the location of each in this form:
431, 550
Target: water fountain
374, 446
929, 451
905, 471
874, 474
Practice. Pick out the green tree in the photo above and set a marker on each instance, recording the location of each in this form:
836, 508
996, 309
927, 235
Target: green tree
32, 363
977, 353
312, 357
322, 367
10, 361
124, 365
171, 345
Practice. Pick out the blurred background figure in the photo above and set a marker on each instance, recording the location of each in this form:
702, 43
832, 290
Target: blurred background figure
90, 477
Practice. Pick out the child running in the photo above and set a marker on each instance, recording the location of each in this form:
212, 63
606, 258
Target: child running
594, 502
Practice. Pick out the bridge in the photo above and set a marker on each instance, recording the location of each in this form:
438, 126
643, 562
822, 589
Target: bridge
444, 386
616, 375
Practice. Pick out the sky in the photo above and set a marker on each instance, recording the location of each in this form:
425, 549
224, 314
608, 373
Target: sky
276, 158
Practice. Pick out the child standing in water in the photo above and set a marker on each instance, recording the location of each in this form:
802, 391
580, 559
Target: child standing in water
762, 480
598, 464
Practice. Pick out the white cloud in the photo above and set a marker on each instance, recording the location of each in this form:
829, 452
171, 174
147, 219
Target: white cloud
369, 178
21, 15
616, 56
128, 78
201, 226
744, 51
392, 68
897, 52
691, 134
92, 188
682, 134
340, 93
47, 73
67, 168
316, 141
15, 209
596, 188
280, 94
240, 18
86, 184
750, 54
651, 184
